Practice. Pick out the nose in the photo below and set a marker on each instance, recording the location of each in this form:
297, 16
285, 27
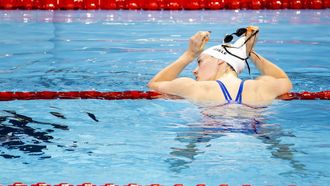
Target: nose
195, 71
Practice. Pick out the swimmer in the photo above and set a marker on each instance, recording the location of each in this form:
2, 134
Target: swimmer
217, 81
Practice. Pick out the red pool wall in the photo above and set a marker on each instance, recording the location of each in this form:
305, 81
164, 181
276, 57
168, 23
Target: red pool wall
163, 4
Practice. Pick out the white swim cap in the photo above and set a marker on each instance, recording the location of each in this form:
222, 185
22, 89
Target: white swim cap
238, 61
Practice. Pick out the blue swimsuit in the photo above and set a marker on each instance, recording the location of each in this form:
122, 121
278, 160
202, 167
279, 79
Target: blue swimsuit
225, 92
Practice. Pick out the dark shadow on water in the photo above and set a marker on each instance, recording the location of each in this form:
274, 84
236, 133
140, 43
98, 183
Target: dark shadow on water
212, 127
17, 134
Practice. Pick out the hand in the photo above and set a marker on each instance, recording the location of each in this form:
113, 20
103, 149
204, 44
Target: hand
251, 35
197, 42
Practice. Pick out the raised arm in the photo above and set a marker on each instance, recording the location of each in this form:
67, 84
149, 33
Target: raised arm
267, 68
273, 80
167, 81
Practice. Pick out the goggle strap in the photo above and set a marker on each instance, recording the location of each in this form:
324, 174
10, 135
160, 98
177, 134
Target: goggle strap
245, 59
225, 47
248, 66
255, 33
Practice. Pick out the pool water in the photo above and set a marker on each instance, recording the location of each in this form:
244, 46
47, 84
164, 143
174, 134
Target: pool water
157, 141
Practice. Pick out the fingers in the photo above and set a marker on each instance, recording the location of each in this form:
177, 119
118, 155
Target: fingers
198, 41
201, 38
251, 34
252, 31
202, 35
252, 28
205, 35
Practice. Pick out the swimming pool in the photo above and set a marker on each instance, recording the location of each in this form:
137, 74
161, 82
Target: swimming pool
156, 141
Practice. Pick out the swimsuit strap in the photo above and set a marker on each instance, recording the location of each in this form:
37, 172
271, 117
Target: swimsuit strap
239, 93
224, 91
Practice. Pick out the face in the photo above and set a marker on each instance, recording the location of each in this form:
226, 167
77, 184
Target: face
207, 68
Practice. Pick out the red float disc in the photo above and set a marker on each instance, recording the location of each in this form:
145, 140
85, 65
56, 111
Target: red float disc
41, 184
256, 5
48, 5
24, 95
191, 5
245, 4
315, 4
91, 4
9, 4
87, 184
6, 96
132, 5
150, 5
296, 4
215, 4
121, 4
69, 5
173, 5
63, 184
108, 4
233, 4
326, 3
25, 4
285, 4
274, 4
18, 184
202, 4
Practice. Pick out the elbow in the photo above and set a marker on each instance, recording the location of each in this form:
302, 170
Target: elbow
151, 85
289, 85
283, 86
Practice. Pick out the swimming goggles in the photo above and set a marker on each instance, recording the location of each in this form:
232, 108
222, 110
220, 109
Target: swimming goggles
239, 32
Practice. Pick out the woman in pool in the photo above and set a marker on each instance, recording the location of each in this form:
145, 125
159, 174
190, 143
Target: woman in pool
217, 80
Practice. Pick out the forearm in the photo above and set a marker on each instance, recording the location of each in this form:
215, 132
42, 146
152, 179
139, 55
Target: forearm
266, 67
173, 70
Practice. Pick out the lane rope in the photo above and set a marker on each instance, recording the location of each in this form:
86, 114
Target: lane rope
132, 94
162, 5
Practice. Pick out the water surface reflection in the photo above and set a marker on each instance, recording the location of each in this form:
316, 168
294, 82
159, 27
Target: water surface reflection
231, 120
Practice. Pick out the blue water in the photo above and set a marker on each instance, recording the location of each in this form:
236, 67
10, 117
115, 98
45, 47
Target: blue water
157, 141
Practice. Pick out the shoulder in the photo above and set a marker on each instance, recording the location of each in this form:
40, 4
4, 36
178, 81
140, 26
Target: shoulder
269, 87
179, 86
185, 87
191, 87
205, 91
